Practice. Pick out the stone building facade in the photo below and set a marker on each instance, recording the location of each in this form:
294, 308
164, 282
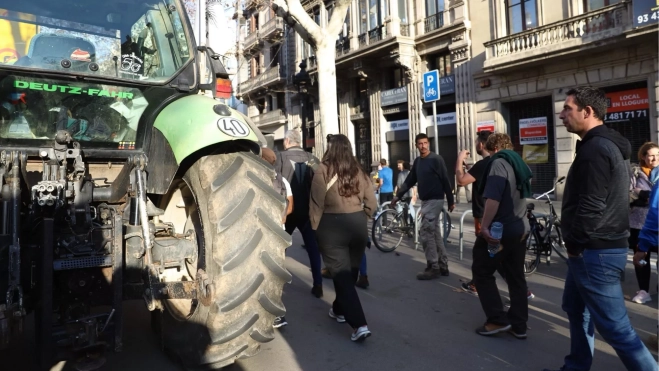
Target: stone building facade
504, 64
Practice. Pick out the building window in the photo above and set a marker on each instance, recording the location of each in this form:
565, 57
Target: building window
377, 12
522, 15
402, 11
396, 78
363, 16
254, 23
274, 55
434, 14
590, 5
442, 63
346, 25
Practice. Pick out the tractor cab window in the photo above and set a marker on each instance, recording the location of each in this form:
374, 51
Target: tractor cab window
124, 39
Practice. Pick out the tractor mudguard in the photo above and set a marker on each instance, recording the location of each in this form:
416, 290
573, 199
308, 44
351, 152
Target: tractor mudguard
196, 121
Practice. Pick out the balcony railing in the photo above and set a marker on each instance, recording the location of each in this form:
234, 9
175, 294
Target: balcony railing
362, 39
273, 30
588, 27
251, 41
434, 22
276, 116
311, 62
270, 76
342, 46
404, 29
377, 34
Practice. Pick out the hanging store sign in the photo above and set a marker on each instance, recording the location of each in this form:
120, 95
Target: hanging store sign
627, 105
442, 119
533, 131
393, 96
398, 125
485, 126
645, 12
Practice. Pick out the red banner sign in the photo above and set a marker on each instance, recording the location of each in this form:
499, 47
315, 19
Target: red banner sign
485, 125
628, 100
533, 131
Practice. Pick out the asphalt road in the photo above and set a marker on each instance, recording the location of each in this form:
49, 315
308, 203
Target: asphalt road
416, 325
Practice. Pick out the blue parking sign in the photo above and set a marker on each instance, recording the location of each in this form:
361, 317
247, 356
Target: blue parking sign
431, 86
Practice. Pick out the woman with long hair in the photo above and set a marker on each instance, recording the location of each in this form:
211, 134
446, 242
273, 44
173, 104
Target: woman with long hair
639, 192
342, 199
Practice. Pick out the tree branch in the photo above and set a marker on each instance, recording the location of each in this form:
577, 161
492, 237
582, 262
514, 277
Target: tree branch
302, 22
335, 24
290, 21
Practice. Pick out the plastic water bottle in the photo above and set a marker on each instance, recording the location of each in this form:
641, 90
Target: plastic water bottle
496, 231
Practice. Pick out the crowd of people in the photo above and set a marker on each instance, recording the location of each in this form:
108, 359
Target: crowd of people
608, 207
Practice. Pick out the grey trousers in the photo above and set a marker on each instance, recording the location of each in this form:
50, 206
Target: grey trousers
430, 234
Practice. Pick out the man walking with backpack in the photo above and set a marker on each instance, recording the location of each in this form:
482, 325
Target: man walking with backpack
297, 166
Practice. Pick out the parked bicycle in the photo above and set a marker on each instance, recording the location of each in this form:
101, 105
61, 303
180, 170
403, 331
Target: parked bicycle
392, 225
545, 234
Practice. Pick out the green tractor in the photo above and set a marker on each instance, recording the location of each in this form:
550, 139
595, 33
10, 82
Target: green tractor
119, 181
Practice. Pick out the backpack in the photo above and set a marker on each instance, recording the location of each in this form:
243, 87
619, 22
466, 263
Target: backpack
298, 168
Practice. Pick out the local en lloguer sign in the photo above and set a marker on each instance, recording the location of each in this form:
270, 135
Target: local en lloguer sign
627, 105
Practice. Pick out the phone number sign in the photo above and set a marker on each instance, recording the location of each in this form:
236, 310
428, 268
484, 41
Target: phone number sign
627, 105
645, 12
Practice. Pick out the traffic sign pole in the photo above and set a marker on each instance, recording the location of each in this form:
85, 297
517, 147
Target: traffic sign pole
434, 116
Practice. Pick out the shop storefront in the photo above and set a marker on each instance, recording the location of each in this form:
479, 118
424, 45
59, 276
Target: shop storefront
531, 129
447, 140
398, 139
395, 133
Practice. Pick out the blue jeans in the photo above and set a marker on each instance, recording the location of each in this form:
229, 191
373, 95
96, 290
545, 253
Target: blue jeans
593, 297
362, 266
311, 245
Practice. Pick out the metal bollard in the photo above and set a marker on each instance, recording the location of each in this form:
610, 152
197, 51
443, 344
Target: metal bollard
417, 222
462, 220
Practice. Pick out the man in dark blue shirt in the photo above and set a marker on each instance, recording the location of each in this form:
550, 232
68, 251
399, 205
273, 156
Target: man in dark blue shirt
429, 170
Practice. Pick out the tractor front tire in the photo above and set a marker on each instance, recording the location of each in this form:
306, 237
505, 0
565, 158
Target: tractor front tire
241, 249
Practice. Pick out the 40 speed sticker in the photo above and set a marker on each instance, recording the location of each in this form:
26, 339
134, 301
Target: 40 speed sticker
233, 127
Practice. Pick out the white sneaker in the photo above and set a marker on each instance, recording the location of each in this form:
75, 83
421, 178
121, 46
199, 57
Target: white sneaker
360, 334
641, 297
339, 319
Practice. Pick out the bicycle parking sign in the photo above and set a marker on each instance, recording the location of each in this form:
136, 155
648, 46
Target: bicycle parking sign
431, 91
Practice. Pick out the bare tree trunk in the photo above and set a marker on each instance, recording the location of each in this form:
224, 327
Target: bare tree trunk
322, 39
327, 100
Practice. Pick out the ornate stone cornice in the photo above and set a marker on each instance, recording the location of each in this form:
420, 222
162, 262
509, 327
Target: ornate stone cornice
460, 53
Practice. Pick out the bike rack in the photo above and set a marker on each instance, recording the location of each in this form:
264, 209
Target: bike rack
462, 220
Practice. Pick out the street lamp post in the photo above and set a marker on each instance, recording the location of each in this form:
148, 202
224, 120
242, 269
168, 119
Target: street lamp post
302, 81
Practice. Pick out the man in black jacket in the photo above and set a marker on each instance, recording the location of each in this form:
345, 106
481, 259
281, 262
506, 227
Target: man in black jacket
297, 166
595, 226
429, 170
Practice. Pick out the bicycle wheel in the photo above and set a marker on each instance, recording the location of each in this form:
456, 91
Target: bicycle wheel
387, 236
557, 243
533, 250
